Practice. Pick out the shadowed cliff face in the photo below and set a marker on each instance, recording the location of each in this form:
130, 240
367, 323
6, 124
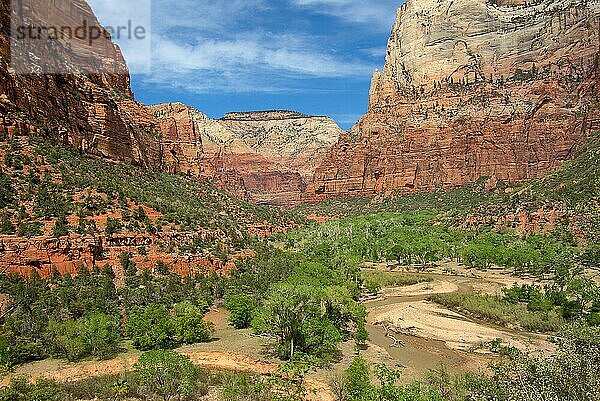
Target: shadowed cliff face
92, 112
471, 89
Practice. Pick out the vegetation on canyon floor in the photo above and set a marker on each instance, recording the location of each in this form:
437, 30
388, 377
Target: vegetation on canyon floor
301, 291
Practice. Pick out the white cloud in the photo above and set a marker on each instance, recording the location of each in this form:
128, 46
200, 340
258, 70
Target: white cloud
378, 14
258, 62
227, 45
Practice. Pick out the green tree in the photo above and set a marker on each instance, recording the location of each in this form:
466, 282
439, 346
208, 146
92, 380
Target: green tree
151, 328
7, 193
101, 335
585, 292
130, 269
6, 226
241, 310
113, 226
286, 310
61, 227
305, 319
167, 374
190, 326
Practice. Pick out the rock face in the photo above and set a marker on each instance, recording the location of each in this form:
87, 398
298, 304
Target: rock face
292, 140
472, 88
92, 112
262, 157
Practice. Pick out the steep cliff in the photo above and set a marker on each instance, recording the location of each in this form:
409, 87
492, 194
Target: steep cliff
92, 112
292, 140
262, 157
472, 88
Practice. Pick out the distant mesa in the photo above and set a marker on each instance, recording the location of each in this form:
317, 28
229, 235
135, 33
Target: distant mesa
265, 115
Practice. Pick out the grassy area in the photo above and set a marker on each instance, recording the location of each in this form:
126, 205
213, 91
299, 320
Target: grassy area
393, 279
497, 311
221, 384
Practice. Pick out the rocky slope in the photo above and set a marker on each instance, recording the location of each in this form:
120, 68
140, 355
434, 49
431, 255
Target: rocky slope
472, 88
60, 209
262, 157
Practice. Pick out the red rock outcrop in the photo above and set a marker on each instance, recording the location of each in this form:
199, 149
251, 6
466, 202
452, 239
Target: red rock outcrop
261, 157
472, 88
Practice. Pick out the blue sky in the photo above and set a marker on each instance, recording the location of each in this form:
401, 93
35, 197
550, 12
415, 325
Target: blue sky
313, 56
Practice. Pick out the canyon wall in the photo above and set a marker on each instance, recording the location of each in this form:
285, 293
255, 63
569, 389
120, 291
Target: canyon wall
91, 112
262, 157
472, 88
293, 141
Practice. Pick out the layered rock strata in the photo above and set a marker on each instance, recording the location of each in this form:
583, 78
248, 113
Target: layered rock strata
262, 157
472, 88
91, 112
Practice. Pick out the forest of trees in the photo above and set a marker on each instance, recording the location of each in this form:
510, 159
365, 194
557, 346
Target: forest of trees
301, 292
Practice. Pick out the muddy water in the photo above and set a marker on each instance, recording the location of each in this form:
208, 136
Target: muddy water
419, 355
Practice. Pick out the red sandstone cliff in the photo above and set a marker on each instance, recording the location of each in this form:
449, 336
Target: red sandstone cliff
261, 157
92, 112
472, 88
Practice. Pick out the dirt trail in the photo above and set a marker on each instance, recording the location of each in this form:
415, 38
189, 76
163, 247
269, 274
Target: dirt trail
62, 371
234, 350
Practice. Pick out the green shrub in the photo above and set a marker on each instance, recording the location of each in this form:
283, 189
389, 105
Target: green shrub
6, 226
151, 328
241, 310
101, 335
43, 390
190, 326
61, 227
96, 335
501, 312
379, 279
156, 327
7, 193
29, 229
86, 227
113, 226
67, 340
167, 374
